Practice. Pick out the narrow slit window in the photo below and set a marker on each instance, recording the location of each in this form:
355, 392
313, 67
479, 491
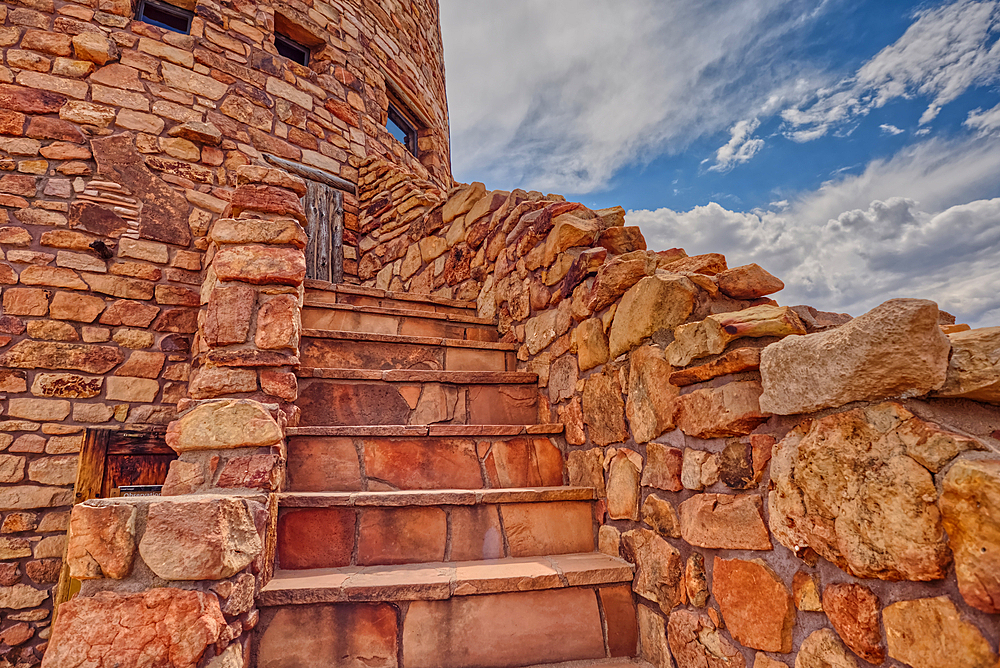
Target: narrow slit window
400, 127
291, 49
166, 16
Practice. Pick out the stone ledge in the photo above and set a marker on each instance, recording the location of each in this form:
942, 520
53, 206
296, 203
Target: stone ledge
431, 430
420, 376
400, 312
435, 497
402, 338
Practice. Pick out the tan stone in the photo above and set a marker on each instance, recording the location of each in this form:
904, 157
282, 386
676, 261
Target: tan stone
585, 469
212, 382
623, 486
255, 231
102, 541
223, 425
199, 538
650, 404
730, 410
654, 303
823, 649
26, 301
143, 250
56, 277
974, 367
87, 113
709, 264
52, 330
259, 265
764, 661
50, 355
94, 47
21, 596
617, 276
854, 612
735, 361
930, 633
591, 344
970, 509
663, 467
696, 642
695, 580
278, 323
568, 232
895, 349
755, 604
748, 282
844, 486
32, 497
38, 409
141, 364
660, 515
699, 469
54, 470
805, 589
724, 522
123, 388
659, 569
604, 410
711, 335
11, 470
653, 638
134, 339
609, 540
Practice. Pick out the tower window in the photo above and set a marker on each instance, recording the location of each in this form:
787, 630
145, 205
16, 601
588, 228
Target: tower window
402, 128
291, 49
166, 16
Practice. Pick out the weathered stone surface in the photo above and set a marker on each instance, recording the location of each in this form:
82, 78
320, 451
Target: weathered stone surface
266, 199
617, 276
854, 611
695, 580
591, 344
711, 335
102, 541
974, 368
66, 386
54, 470
251, 471
660, 515
755, 604
895, 349
260, 265
278, 324
619, 240
653, 638
724, 522
970, 509
604, 410
96, 219
623, 486
699, 469
730, 410
223, 425
129, 313
32, 497
159, 627
823, 649
709, 264
663, 467
656, 302
94, 47
199, 538
696, 643
844, 486
585, 469
650, 403
930, 633
81, 308
735, 361
258, 231
805, 589
21, 596
659, 569
748, 282
228, 315
764, 661
182, 478
568, 231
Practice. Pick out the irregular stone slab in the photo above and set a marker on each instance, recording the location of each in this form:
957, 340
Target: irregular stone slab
764, 661
895, 349
696, 643
731, 410
805, 589
32, 497
724, 522
199, 538
585, 469
102, 541
823, 649
604, 410
653, 638
845, 486
748, 282
159, 627
660, 302
623, 487
261, 265
659, 569
974, 368
854, 611
21, 596
650, 403
735, 361
663, 467
660, 515
755, 604
617, 276
29, 354
930, 633
591, 344
711, 335
970, 509
223, 425
695, 580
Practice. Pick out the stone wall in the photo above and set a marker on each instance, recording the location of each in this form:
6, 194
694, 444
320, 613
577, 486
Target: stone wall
120, 148
795, 487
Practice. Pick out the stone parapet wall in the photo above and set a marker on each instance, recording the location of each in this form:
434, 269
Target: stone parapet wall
795, 487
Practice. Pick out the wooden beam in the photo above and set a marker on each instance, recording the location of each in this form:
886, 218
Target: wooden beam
312, 173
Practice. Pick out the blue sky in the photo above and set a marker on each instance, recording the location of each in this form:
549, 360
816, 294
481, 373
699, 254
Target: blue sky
852, 148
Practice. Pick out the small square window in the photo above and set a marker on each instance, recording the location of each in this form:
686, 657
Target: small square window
166, 16
400, 127
291, 49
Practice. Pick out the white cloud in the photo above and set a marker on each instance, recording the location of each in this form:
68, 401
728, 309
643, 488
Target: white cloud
985, 121
740, 148
911, 226
890, 129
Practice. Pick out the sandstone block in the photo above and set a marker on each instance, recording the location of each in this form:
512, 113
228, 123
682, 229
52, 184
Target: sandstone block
32, 497
129, 313
617, 276
650, 405
568, 232
653, 638
51, 355
122, 388
260, 265
620, 240
895, 349
711, 335
854, 611
663, 467
255, 231
228, 315
224, 425
462, 202
735, 361
730, 410
585, 469
659, 569
591, 344
695, 580
823, 649
79, 308
211, 382
94, 47
709, 264
54, 470
623, 486
252, 471
26, 301
102, 541
38, 409
199, 538
724, 522
21, 596
805, 589
654, 303
279, 323
696, 642
755, 604
604, 410
930, 633
748, 282
660, 515
182, 478
974, 368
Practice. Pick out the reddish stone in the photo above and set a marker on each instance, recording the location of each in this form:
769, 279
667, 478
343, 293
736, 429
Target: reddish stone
620, 240
663, 467
281, 384
11, 325
228, 315
401, 535
18, 184
748, 282
620, 615
297, 544
10, 574
129, 313
42, 127
709, 264
176, 296
319, 464
252, 471
735, 361
18, 633
695, 642
854, 611
422, 464
659, 569
724, 522
11, 123
730, 410
96, 219
522, 462
260, 265
267, 199
755, 604
52, 355
178, 320
604, 409
278, 323
363, 634
30, 100
215, 382
103, 541
248, 357
44, 571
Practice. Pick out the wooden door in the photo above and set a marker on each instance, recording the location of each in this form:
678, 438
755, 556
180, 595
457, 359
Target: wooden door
324, 207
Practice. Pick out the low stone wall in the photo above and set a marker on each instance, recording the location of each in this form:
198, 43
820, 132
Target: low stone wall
794, 486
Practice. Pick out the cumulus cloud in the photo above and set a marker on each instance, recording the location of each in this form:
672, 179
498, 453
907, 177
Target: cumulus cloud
890, 129
741, 147
910, 226
984, 121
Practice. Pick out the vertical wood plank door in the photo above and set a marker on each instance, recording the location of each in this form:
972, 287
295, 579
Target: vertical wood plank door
324, 207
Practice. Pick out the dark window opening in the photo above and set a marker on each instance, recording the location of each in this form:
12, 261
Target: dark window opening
163, 15
400, 127
291, 49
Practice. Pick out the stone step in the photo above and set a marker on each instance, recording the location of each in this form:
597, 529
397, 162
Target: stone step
441, 580
365, 350
428, 430
407, 322
334, 530
356, 295
333, 397
497, 630
347, 463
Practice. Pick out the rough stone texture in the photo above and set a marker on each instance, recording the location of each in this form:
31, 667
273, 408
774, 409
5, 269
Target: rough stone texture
159, 627
102, 541
655, 303
695, 642
823, 649
659, 572
351, 635
653, 638
29, 354
805, 589
227, 318
970, 510
724, 522
660, 515
585, 469
844, 486
748, 282
650, 403
735, 361
222, 425
663, 467
623, 486
895, 349
199, 538
930, 633
591, 343
854, 611
260, 265
755, 604
730, 410
711, 335
604, 410
695, 580
764, 661
974, 368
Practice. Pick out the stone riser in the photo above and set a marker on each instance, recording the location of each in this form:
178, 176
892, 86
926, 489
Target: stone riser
348, 354
409, 323
492, 631
345, 464
350, 402
368, 536
375, 301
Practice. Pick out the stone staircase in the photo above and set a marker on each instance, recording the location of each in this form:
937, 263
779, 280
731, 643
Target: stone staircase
425, 521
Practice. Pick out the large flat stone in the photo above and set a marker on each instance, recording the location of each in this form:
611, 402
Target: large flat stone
731, 410
974, 368
931, 633
711, 335
297, 532
659, 302
535, 529
650, 403
724, 522
318, 636
755, 604
29, 354
102, 541
223, 425
659, 572
604, 409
